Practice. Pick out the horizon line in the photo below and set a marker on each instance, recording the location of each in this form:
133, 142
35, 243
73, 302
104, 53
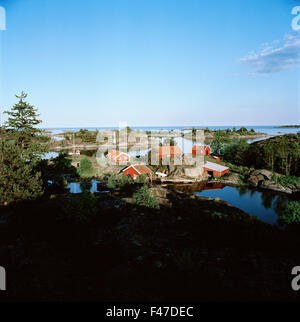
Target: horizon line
180, 126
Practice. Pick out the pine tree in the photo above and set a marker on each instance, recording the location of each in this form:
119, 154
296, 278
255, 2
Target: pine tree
21, 127
21, 149
19, 178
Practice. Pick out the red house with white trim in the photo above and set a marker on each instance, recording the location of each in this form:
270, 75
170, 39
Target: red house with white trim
136, 170
117, 156
201, 149
215, 169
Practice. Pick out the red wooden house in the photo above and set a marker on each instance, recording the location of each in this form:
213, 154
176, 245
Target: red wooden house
201, 149
118, 157
215, 169
136, 170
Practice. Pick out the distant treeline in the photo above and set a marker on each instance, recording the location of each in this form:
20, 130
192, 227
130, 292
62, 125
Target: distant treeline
280, 154
288, 127
84, 136
241, 130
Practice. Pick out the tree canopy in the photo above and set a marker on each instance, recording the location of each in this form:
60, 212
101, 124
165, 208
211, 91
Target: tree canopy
21, 126
21, 148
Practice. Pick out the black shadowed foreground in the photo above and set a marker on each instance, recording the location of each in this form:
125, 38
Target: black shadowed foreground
189, 249
133, 241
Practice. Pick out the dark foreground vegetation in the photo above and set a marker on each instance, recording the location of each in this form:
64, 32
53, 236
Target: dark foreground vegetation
135, 242
96, 247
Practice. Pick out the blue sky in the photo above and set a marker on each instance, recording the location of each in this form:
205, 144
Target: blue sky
152, 62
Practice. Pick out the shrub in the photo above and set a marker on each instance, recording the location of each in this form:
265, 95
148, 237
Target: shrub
287, 181
291, 214
242, 179
112, 182
85, 167
142, 179
58, 166
81, 207
143, 197
121, 181
85, 186
124, 181
236, 152
236, 168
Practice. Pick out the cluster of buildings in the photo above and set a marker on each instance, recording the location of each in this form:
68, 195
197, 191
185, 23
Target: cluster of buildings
213, 169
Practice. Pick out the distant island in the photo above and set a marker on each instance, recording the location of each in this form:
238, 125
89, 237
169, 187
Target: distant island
288, 126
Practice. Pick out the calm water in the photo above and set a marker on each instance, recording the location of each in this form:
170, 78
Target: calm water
186, 145
265, 205
95, 186
269, 129
90, 153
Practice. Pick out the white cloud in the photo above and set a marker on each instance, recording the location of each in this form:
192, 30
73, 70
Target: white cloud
276, 56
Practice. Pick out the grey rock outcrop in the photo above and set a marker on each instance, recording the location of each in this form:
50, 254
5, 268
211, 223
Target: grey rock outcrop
193, 172
269, 184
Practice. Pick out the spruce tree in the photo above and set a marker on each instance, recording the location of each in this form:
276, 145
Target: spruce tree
21, 149
19, 178
21, 127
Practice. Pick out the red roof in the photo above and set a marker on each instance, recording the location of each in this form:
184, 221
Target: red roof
140, 168
114, 154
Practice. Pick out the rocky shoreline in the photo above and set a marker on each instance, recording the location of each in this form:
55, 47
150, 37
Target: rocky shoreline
257, 178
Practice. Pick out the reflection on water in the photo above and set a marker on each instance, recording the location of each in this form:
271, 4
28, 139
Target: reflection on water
265, 205
92, 186
197, 186
50, 155
54, 154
